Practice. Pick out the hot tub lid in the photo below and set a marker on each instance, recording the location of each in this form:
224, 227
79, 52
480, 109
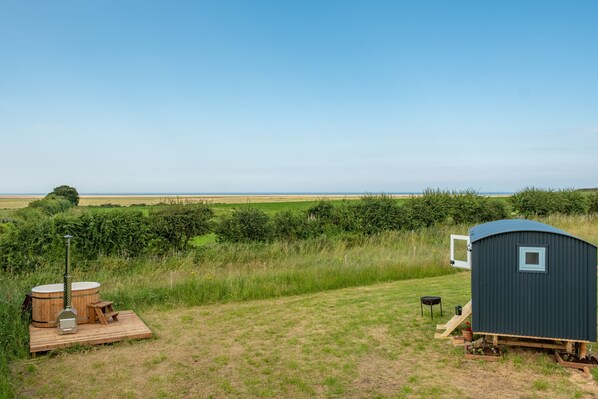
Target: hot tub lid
77, 286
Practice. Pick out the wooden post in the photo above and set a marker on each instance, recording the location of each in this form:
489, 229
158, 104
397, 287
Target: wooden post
495, 340
569, 347
583, 350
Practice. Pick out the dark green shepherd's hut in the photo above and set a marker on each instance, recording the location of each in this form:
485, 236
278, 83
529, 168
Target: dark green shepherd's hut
529, 279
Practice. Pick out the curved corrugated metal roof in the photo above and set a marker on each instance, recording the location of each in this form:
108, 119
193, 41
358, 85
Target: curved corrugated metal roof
507, 225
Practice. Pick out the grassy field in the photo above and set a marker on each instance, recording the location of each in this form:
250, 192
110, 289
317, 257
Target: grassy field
365, 342
220, 209
231, 272
265, 202
16, 201
219, 331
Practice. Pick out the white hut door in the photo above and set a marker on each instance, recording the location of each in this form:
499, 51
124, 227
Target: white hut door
460, 263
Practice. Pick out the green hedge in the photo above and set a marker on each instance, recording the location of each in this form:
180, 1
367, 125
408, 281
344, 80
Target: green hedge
593, 203
537, 202
372, 214
28, 242
245, 224
173, 226
111, 233
35, 234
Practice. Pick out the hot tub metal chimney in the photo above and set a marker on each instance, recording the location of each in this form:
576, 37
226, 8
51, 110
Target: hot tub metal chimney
67, 318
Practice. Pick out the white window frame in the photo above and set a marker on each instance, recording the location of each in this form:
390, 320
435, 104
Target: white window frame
461, 264
525, 267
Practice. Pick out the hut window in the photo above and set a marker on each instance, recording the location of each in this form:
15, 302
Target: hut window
532, 259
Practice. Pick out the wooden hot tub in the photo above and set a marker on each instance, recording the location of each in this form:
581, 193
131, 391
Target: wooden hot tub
47, 302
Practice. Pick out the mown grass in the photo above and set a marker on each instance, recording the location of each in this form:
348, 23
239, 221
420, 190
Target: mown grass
360, 342
346, 343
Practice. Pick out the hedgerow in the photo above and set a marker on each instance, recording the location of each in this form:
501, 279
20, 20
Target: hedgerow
538, 202
34, 235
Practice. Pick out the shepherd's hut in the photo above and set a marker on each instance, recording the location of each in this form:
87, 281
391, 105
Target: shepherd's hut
529, 280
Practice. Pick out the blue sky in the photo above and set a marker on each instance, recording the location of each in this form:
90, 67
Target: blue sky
297, 96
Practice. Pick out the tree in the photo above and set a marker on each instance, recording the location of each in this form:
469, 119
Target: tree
68, 192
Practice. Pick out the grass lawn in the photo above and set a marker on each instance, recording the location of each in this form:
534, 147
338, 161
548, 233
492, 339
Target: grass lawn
364, 342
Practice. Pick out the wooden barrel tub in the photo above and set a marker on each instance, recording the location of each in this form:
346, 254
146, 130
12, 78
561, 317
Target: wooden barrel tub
47, 302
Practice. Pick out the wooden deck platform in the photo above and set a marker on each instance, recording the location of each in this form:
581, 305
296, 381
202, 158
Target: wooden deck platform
128, 326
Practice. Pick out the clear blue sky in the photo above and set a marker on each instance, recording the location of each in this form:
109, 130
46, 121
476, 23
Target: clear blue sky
295, 96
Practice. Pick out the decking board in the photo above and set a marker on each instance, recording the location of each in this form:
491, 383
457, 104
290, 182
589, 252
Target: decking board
128, 326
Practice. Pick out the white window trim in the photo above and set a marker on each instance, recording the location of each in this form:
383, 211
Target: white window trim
540, 267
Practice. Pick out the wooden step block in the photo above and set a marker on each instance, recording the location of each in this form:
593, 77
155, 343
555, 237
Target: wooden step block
440, 336
111, 314
102, 311
101, 304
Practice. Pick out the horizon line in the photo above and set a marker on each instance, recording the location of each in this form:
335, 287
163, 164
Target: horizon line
248, 193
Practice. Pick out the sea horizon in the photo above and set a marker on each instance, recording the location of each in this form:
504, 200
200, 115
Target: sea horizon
256, 193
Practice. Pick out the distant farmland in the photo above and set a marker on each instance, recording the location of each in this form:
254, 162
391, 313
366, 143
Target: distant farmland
21, 201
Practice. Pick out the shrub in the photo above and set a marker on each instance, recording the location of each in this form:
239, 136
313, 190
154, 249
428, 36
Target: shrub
532, 201
26, 245
432, 207
345, 217
108, 205
377, 213
493, 210
323, 210
470, 207
68, 192
572, 202
52, 204
289, 226
174, 225
29, 214
243, 225
593, 203
111, 233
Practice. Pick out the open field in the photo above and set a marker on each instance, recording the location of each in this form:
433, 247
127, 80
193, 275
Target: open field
221, 208
365, 342
217, 323
21, 201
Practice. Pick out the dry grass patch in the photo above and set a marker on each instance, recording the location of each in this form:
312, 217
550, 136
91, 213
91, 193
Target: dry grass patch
367, 342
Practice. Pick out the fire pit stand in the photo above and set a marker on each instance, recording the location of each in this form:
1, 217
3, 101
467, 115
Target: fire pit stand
431, 301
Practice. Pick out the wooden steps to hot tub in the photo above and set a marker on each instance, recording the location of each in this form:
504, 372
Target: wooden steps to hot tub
102, 311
